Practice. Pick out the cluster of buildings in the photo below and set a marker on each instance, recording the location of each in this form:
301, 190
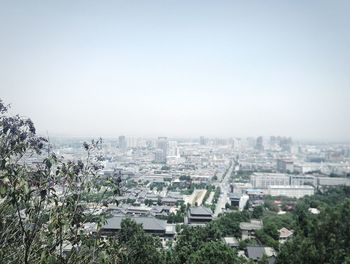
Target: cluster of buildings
159, 178
165, 177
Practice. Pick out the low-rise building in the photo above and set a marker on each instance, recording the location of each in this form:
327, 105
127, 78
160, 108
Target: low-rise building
302, 180
169, 201
248, 228
199, 215
264, 180
284, 235
232, 242
284, 165
256, 196
150, 225
332, 181
234, 199
307, 167
291, 190
256, 253
314, 211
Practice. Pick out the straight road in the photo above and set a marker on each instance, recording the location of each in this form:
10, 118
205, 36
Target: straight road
225, 189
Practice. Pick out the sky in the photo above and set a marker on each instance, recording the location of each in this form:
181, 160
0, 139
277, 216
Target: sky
178, 67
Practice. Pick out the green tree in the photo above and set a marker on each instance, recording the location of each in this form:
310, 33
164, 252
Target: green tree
191, 239
213, 252
323, 238
258, 212
138, 246
37, 221
228, 224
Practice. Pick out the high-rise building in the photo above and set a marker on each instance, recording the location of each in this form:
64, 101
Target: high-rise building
203, 141
286, 144
159, 156
141, 143
172, 148
131, 142
259, 144
162, 144
122, 142
220, 141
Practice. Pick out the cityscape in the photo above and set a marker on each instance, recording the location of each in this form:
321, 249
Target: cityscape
174, 132
168, 184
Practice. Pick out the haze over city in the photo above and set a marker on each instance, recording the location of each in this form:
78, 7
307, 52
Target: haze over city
178, 68
174, 132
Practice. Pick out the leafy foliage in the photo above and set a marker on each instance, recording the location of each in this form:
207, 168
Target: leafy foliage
322, 238
191, 239
138, 247
228, 224
41, 204
258, 212
213, 252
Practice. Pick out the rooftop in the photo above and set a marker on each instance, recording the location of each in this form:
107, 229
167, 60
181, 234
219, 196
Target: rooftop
285, 233
304, 187
148, 223
252, 225
255, 252
234, 196
231, 241
200, 210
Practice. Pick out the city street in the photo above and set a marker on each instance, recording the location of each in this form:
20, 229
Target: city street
225, 189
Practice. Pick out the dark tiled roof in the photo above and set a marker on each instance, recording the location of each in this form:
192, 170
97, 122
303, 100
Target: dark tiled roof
148, 223
200, 210
255, 252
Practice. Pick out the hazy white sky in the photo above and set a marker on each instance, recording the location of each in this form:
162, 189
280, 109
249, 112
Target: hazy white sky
178, 68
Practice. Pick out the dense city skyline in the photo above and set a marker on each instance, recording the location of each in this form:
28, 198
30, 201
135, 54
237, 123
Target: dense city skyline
178, 68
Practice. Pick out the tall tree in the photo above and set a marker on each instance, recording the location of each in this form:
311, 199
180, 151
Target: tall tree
138, 246
213, 252
323, 238
41, 207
